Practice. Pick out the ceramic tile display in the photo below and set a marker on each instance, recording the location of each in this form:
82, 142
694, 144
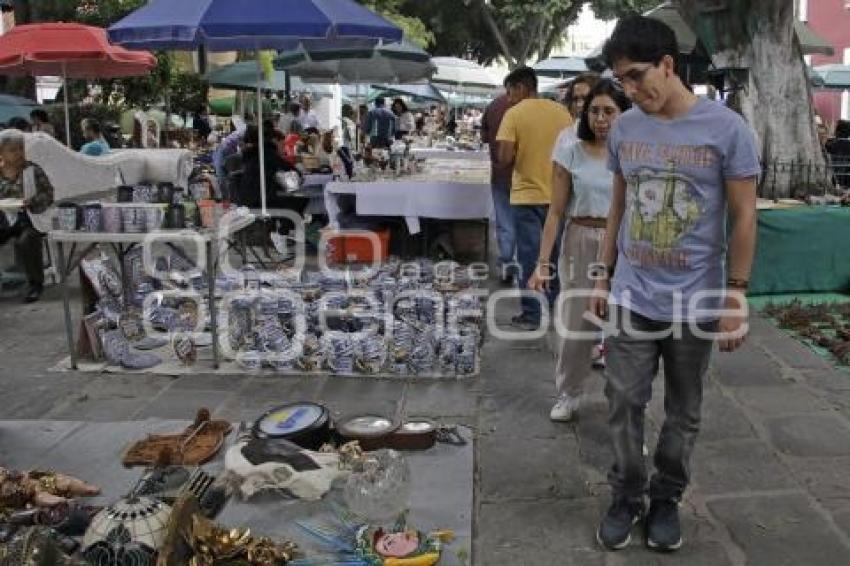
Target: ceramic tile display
417, 319
133, 219
68, 217
430, 332
92, 217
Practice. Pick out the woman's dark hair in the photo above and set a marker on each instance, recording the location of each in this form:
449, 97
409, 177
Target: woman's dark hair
642, 40
400, 102
589, 78
842, 129
603, 87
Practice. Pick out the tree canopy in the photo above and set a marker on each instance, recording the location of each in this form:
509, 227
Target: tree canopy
485, 30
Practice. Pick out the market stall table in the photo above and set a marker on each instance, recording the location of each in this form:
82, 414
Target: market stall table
445, 153
447, 189
802, 249
122, 243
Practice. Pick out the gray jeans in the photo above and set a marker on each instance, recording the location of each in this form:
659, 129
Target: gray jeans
632, 363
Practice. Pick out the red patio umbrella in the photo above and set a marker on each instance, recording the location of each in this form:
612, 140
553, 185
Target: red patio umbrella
70, 50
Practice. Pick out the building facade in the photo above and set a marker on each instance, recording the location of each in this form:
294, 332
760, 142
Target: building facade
829, 19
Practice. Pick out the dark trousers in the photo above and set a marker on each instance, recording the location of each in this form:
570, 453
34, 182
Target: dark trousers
529, 220
28, 251
632, 362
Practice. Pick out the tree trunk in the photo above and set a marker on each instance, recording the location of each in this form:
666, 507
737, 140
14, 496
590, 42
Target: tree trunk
560, 28
776, 98
490, 21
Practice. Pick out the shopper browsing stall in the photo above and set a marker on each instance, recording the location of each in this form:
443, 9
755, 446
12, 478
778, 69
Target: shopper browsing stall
526, 139
683, 168
581, 191
95, 144
21, 179
500, 184
381, 124
307, 117
406, 122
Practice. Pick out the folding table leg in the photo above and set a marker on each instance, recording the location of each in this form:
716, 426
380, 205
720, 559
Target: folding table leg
212, 267
66, 302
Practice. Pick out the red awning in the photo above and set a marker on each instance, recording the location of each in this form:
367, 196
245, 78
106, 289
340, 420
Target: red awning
69, 49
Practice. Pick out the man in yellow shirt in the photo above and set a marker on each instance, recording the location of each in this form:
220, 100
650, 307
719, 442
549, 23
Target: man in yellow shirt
526, 139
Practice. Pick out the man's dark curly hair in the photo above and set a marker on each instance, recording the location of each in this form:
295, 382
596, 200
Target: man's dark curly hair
642, 40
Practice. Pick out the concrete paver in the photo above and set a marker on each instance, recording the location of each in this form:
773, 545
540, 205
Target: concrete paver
780, 530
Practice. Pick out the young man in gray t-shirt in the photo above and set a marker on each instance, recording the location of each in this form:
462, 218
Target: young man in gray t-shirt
680, 163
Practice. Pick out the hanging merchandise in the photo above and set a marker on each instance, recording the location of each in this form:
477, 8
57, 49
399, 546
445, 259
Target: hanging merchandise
199, 443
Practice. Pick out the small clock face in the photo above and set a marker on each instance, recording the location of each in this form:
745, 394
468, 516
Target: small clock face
289, 420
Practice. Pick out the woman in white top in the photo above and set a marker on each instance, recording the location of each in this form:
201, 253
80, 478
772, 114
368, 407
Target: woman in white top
405, 122
581, 190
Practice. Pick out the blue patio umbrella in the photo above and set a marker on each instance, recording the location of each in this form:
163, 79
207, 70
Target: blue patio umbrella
228, 25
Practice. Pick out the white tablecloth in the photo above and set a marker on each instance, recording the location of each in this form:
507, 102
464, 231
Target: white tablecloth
413, 199
435, 153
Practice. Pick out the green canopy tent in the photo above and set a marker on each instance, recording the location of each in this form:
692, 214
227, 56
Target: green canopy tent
833, 76
396, 62
243, 76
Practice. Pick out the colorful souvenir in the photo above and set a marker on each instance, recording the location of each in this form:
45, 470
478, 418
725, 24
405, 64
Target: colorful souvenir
184, 348
198, 444
127, 533
353, 542
20, 489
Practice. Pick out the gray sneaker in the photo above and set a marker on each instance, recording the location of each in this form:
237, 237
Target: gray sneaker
615, 529
663, 529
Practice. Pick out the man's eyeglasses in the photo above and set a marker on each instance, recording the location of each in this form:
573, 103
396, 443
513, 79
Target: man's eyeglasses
633, 77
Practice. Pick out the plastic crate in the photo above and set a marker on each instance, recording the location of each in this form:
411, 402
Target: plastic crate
357, 247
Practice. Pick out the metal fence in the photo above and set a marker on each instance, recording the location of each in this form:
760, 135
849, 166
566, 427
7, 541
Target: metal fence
799, 179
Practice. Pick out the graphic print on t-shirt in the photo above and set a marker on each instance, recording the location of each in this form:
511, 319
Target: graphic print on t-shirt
664, 205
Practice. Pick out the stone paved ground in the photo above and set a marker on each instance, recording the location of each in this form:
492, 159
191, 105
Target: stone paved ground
770, 472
